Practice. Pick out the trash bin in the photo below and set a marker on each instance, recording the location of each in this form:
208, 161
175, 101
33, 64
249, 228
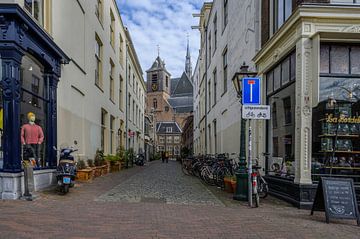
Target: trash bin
241, 192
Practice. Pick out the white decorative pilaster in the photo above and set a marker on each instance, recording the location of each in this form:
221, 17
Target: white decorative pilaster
303, 110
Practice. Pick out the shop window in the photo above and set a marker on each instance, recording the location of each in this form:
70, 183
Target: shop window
277, 77
275, 147
354, 60
339, 59
285, 71
34, 99
270, 82
1, 127
287, 110
274, 115
336, 118
280, 131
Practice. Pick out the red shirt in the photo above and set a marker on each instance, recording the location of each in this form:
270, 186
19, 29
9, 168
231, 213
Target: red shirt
31, 134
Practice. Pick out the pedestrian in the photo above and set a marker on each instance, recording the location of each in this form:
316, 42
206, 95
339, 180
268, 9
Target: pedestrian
167, 157
163, 156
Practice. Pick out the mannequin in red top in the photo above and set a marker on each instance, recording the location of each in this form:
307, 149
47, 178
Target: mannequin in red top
32, 137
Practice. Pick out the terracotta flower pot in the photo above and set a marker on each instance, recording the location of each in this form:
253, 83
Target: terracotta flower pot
227, 185
84, 174
233, 185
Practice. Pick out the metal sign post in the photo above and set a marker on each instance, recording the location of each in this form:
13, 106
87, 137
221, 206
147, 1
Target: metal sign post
250, 168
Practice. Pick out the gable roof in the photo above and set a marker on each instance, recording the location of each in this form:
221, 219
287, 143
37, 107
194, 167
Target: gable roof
162, 126
184, 87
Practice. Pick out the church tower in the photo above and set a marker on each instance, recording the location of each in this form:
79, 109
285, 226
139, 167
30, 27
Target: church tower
188, 67
158, 78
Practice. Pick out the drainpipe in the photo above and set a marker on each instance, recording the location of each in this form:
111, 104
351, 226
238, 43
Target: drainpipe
206, 89
126, 97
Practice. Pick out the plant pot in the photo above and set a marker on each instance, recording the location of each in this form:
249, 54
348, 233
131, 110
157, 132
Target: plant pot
98, 171
233, 185
84, 175
227, 185
115, 167
108, 166
104, 170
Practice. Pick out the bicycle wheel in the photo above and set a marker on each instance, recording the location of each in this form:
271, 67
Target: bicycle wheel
220, 174
207, 175
263, 188
184, 168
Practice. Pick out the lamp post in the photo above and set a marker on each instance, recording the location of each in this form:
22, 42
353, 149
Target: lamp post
241, 192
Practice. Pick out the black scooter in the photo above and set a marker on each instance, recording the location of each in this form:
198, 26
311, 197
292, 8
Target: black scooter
66, 169
140, 160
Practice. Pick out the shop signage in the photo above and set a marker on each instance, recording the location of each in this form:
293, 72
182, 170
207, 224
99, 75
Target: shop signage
350, 120
336, 196
256, 112
251, 91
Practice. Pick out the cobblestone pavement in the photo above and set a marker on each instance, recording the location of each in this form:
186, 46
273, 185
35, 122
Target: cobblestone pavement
163, 182
100, 210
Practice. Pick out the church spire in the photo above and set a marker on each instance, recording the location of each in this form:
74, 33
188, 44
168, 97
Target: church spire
188, 67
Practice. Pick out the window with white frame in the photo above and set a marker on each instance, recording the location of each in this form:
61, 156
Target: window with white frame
168, 129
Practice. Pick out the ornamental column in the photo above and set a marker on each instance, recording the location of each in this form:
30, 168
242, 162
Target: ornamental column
303, 110
11, 86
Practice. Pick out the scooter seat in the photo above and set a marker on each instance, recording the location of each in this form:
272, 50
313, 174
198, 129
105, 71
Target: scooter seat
67, 161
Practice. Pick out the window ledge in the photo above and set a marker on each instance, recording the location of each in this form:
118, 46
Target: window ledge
99, 87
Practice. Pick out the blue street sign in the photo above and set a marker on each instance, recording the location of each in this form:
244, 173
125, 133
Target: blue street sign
251, 94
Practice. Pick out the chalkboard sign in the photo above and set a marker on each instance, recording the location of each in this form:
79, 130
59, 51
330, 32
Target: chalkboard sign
337, 198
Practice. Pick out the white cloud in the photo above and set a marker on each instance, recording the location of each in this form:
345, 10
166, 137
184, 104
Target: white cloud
165, 23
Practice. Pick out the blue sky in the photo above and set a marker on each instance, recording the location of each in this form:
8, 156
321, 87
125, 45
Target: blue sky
165, 23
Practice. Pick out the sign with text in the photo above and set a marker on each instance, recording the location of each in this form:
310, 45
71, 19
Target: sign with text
336, 196
256, 112
251, 91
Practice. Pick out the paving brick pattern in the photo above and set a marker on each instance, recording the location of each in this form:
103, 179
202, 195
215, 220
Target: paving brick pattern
163, 183
89, 212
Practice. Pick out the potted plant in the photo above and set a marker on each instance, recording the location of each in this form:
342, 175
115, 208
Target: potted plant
233, 183
99, 162
114, 162
120, 153
83, 173
91, 166
227, 184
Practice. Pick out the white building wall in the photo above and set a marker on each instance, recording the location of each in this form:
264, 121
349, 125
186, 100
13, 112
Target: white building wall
240, 39
73, 25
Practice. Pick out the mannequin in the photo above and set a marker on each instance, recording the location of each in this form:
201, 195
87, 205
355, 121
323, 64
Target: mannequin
32, 136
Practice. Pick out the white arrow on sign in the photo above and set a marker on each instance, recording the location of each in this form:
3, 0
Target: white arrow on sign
251, 83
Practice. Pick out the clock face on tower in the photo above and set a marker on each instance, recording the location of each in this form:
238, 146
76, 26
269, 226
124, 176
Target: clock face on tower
154, 87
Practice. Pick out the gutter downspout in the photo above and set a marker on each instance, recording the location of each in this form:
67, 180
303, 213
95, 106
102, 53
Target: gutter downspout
127, 97
206, 89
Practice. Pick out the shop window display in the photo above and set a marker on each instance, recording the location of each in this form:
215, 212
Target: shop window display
281, 128
1, 128
336, 119
33, 110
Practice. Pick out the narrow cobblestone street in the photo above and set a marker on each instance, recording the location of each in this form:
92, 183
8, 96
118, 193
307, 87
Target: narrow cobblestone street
158, 201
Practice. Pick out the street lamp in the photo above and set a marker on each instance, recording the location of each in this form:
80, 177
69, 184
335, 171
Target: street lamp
242, 176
